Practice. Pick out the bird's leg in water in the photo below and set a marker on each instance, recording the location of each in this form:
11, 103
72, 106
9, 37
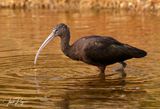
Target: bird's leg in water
102, 72
121, 69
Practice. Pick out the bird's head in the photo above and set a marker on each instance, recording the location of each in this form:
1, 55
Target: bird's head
60, 30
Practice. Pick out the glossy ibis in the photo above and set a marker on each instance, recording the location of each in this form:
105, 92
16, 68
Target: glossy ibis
96, 50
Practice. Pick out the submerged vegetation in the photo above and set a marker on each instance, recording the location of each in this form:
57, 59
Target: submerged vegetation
82, 4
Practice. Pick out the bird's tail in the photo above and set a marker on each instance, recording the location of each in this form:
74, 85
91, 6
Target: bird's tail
135, 52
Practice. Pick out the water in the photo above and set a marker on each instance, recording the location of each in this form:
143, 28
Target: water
58, 82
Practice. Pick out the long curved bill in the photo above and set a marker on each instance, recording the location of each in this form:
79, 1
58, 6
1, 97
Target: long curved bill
48, 39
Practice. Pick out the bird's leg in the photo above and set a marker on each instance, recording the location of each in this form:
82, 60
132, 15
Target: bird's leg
121, 69
102, 72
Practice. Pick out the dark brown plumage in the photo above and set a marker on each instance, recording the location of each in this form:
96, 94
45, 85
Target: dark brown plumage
99, 51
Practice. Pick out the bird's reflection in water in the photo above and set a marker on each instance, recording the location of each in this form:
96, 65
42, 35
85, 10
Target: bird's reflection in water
94, 93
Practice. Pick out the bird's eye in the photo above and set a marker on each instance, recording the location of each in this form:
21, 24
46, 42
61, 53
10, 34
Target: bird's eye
55, 30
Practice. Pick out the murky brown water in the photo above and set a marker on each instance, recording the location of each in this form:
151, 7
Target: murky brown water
58, 82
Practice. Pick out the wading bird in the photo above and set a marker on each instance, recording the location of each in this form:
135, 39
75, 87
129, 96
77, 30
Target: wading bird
95, 50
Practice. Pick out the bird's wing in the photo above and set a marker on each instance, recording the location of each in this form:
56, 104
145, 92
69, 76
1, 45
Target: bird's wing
107, 50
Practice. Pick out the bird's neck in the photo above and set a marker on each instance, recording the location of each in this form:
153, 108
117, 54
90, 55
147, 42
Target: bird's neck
65, 46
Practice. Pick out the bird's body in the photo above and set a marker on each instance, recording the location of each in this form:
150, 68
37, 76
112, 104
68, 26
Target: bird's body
96, 50
102, 51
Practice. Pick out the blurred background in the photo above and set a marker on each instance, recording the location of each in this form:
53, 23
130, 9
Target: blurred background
82, 4
57, 82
